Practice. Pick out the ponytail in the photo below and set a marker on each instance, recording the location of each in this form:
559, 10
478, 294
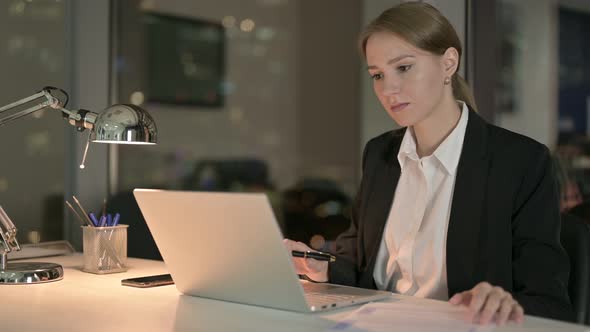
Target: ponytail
462, 91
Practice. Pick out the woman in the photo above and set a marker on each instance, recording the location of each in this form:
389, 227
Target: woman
450, 207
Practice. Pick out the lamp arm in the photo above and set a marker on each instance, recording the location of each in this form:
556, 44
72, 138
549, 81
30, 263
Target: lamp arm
80, 119
8, 240
8, 232
49, 101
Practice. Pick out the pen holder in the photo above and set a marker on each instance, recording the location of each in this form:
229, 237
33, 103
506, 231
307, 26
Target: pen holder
105, 249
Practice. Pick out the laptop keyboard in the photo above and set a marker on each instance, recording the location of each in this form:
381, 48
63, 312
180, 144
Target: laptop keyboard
318, 294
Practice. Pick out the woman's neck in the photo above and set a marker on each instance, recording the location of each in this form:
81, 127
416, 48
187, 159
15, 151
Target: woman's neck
433, 130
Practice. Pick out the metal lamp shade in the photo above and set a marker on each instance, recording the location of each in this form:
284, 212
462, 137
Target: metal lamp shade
124, 124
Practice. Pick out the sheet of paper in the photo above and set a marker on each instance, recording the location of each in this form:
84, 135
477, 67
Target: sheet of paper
36, 252
408, 317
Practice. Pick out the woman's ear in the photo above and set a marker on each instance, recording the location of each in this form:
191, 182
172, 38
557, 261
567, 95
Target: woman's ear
450, 61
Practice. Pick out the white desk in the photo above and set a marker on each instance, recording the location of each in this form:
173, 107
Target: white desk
88, 302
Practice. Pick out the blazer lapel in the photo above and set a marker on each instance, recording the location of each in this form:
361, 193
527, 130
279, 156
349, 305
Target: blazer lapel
381, 198
467, 207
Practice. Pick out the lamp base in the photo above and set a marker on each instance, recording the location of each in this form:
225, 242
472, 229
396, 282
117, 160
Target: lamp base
30, 273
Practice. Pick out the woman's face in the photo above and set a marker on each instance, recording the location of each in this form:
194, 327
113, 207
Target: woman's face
409, 82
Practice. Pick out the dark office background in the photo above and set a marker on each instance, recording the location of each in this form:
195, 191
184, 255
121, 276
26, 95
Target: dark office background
288, 108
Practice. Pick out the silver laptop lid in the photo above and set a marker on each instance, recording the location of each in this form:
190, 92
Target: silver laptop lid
224, 246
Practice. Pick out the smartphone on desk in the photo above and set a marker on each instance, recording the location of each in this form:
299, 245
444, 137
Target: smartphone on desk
149, 281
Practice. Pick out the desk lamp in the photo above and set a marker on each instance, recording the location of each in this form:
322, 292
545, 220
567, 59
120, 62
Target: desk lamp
117, 124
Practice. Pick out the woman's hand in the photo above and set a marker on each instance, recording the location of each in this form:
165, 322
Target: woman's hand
313, 269
485, 302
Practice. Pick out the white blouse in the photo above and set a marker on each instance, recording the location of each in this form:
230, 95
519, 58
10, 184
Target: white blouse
412, 256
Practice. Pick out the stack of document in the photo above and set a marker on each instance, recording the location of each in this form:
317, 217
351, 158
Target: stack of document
408, 317
42, 249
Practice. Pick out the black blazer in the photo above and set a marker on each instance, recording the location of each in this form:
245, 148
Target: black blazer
504, 224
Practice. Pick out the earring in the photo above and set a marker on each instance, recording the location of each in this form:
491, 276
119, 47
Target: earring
447, 80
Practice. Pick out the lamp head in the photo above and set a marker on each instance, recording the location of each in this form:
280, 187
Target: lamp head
124, 124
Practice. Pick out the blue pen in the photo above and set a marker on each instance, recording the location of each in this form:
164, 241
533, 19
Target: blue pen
109, 219
116, 219
93, 219
103, 221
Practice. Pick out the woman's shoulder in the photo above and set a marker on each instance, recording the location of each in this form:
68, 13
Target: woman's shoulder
511, 144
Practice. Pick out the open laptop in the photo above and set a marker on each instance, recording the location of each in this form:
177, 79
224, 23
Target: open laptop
228, 246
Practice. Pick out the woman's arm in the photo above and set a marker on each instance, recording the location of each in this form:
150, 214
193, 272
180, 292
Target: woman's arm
539, 263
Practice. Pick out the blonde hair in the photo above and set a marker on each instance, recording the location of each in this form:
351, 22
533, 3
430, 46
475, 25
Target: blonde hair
423, 26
